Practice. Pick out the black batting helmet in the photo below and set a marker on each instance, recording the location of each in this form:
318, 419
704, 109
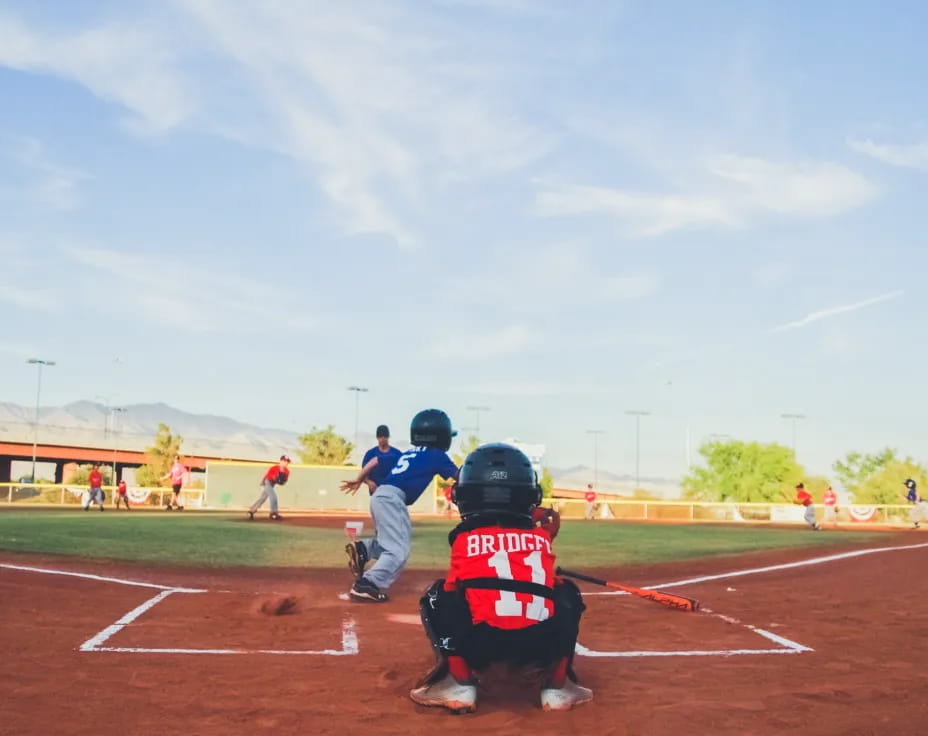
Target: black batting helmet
431, 428
497, 478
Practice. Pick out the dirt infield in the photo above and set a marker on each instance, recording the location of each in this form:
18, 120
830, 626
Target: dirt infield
830, 648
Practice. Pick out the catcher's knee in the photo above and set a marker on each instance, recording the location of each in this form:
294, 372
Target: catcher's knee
446, 618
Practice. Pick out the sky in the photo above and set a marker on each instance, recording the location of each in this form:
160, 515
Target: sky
712, 212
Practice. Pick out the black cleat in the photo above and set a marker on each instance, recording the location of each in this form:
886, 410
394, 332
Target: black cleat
357, 558
364, 590
251, 516
276, 517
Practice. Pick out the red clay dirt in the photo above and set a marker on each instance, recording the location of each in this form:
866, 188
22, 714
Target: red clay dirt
864, 617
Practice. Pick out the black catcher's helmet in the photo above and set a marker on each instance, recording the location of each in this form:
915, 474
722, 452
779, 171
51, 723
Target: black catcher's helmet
431, 428
497, 478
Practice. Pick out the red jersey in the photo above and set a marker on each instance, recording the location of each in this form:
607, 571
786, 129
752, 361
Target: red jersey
121, 488
507, 554
590, 496
803, 497
277, 475
95, 479
830, 499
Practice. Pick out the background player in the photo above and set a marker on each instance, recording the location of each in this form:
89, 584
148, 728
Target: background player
805, 499
830, 502
176, 474
95, 481
121, 495
919, 510
276, 475
500, 600
430, 434
385, 456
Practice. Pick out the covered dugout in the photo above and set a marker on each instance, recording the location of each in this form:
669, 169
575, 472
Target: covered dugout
236, 485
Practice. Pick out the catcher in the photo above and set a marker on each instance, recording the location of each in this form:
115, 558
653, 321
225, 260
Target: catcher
500, 601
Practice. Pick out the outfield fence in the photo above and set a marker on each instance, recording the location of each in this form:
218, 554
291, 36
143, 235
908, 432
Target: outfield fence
314, 488
68, 494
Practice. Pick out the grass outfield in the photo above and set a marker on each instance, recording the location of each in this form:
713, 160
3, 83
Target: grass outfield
224, 539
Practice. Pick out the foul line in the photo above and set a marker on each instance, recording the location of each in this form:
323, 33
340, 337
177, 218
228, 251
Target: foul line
772, 568
91, 644
102, 578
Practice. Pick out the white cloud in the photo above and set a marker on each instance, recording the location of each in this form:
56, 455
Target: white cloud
511, 340
911, 155
48, 183
733, 191
130, 63
152, 286
834, 311
39, 300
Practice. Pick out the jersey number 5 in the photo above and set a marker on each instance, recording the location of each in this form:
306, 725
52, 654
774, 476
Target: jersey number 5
402, 465
508, 604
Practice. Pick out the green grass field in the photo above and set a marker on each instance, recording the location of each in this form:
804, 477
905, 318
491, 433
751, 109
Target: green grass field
223, 539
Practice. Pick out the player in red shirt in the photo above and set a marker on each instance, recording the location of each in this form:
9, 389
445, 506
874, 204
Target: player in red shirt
830, 502
95, 481
805, 499
122, 495
276, 475
501, 601
590, 497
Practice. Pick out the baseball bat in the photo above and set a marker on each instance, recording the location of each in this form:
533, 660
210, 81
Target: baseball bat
679, 602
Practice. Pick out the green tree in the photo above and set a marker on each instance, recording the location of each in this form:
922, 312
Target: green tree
743, 471
324, 447
159, 457
857, 469
886, 484
546, 483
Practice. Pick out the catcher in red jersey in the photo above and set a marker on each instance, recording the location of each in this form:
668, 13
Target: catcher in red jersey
501, 601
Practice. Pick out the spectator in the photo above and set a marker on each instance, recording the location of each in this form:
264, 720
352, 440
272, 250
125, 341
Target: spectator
590, 498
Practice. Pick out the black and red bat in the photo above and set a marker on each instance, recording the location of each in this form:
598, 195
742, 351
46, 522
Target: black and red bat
679, 602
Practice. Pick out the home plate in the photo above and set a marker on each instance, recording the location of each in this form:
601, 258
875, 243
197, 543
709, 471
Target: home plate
404, 618
344, 597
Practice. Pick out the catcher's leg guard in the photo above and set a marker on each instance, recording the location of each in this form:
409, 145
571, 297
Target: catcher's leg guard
568, 609
447, 622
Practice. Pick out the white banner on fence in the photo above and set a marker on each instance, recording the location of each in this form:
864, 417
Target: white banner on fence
786, 513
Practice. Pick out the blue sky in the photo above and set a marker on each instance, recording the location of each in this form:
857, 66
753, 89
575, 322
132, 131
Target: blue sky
711, 211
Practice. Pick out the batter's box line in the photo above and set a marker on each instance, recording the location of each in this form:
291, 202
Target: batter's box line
95, 643
787, 646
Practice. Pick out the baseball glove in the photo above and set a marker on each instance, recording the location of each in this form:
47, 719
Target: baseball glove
547, 519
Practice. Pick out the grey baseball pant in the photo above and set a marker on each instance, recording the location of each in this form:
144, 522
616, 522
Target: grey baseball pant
393, 541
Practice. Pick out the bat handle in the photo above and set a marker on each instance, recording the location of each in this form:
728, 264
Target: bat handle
579, 576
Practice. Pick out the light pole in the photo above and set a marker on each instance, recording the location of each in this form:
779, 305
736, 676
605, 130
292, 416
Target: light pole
477, 410
38, 362
637, 413
595, 433
114, 410
793, 418
358, 390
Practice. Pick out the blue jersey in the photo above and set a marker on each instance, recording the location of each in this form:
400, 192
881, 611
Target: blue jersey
912, 496
415, 469
385, 462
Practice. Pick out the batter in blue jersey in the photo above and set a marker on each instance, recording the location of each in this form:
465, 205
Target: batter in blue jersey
430, 435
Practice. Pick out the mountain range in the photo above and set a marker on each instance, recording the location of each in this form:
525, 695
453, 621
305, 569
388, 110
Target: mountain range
88, 423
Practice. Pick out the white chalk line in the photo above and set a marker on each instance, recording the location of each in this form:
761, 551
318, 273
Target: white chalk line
93, 644
102, 578
770, 568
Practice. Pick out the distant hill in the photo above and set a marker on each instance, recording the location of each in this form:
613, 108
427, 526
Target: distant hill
88, 423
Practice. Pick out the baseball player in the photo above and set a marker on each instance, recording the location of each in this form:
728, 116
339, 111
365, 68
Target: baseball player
804, 498
500, 601
121, 495
277, 475
830, 502
590, 497
430, 434
176, 474
919, 510
95, 481
386, 457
